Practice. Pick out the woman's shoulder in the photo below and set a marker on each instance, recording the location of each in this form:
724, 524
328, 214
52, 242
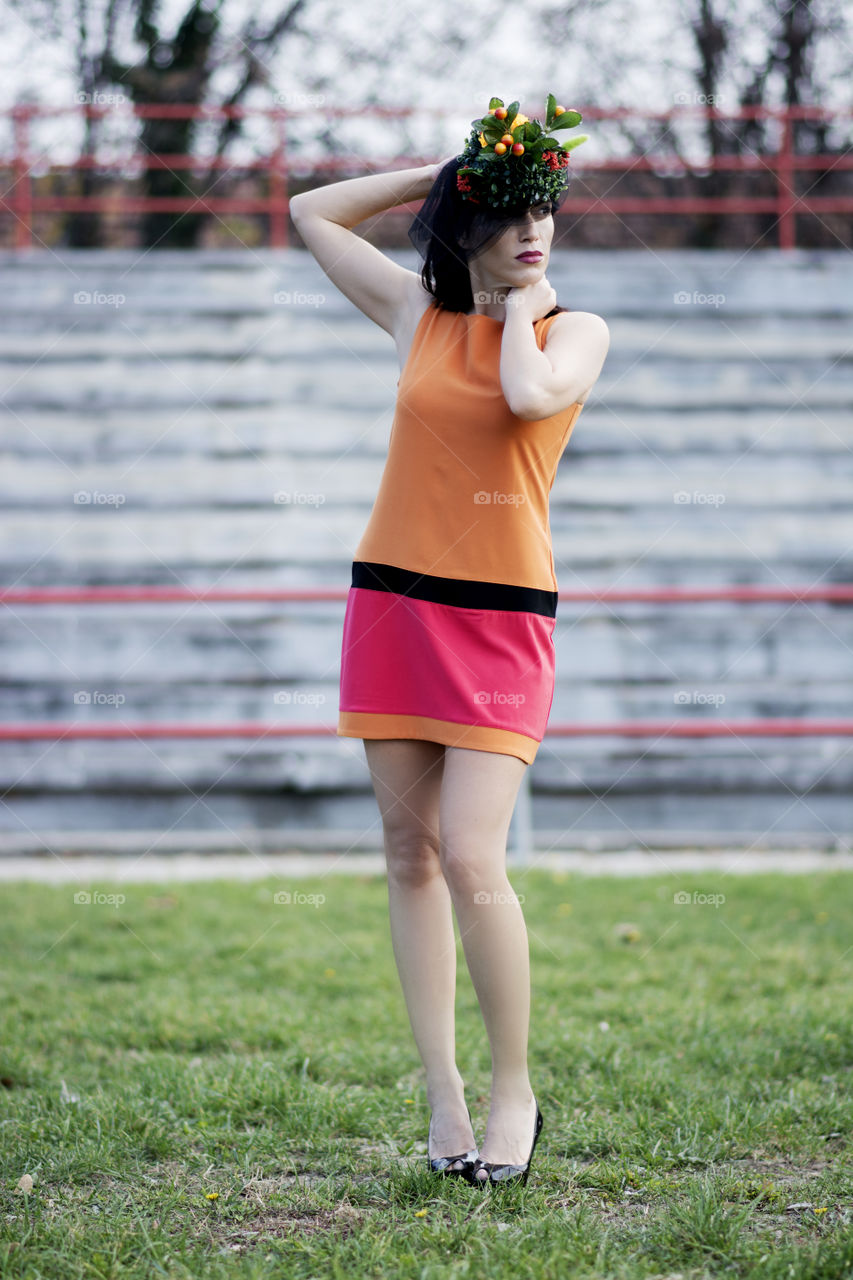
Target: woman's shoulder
565, 325
575, 319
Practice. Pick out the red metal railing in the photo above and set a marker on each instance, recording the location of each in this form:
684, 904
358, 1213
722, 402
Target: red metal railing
22, 202
59, 730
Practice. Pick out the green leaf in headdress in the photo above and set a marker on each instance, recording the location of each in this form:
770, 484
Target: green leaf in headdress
567, 120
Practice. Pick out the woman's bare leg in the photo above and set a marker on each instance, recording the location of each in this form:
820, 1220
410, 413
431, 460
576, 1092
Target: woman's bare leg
407, 778
478, 795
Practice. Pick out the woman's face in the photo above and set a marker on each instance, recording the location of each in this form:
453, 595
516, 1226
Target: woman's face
520, 254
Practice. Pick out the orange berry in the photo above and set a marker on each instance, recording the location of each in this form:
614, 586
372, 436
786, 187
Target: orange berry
499, 113
558, 111
507, 139
500, 148
518, 149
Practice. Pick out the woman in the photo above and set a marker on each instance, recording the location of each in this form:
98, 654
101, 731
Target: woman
448, 660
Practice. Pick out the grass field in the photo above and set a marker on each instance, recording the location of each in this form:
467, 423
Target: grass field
201, 1081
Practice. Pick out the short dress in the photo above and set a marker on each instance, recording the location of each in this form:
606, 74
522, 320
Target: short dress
449, 621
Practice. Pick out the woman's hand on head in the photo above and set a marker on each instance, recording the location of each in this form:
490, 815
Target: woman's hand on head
439, 165
533, 300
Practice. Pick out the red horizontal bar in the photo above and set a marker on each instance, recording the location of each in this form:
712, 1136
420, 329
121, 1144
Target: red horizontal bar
137, 162
165, 595
707, 729
154, 595
152, 204
59, 731
704, 204
126, 595
610, 204
666, 165
191, 111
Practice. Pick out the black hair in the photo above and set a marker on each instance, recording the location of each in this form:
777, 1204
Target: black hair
449, 230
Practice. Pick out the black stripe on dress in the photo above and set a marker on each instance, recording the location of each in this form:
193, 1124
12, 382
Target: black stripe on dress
460, 592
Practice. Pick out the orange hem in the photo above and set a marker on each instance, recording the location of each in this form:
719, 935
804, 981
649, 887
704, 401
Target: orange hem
478, 737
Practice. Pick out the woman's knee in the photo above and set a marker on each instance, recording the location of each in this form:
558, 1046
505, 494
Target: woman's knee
412, 858
471, 867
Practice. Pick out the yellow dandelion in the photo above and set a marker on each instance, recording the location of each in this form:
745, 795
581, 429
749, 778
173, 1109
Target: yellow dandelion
420, 1213
822, 1210
212, 1195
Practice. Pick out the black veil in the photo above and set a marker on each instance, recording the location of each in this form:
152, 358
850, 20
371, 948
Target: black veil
447, 216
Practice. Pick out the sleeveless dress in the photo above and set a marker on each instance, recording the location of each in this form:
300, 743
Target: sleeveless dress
449, 621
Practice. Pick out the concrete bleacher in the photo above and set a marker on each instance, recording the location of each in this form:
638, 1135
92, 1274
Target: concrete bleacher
191, 391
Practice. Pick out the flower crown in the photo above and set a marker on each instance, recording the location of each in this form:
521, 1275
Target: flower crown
518, 164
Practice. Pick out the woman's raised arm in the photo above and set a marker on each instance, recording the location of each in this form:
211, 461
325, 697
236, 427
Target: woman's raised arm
324, 218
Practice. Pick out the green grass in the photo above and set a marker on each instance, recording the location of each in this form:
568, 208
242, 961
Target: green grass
202, 1082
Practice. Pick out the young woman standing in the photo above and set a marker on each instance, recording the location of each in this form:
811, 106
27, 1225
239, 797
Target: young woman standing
447, 670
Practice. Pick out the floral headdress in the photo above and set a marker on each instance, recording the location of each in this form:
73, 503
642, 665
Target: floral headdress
511, 165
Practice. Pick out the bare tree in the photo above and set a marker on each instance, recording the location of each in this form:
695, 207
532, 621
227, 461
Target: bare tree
176, 68
716, 54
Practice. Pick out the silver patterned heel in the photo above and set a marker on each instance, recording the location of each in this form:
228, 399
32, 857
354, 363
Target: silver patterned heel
499, 1174
442, 1164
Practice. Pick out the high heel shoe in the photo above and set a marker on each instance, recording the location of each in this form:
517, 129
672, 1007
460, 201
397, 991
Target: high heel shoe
441, 1164
500, 1173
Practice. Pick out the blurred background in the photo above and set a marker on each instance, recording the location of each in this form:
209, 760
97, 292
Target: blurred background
194, 420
